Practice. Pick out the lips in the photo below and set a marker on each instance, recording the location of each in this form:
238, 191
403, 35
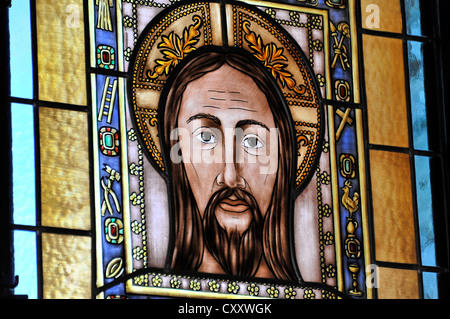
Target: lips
233, 205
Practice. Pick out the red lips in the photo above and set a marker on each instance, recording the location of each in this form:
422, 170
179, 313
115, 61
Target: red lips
233, 205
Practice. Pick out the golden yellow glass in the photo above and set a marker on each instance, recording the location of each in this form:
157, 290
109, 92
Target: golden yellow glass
398, 284
66, 266
385, 90
64, 168
392, 207
382, 15
61, 51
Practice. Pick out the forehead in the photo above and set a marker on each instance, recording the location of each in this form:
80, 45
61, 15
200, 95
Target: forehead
228, 94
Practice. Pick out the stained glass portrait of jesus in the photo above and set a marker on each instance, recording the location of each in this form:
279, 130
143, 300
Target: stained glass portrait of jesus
231, 211
227, 174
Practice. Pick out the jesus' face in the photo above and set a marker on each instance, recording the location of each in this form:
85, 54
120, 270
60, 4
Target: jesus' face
228, 145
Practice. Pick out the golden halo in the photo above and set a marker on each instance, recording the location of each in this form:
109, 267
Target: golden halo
186, 27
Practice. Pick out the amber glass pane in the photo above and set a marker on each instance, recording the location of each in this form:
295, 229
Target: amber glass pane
382, 15
61, 51
385, 88
64, 168
398, 284
66, 263
392, 207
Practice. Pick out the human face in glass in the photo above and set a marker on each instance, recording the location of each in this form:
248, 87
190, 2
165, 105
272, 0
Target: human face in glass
228, 138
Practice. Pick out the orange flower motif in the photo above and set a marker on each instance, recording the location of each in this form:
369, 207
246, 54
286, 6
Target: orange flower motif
175, 48
272, 58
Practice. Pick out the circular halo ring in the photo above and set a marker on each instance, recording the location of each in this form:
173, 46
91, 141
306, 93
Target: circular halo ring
184, 28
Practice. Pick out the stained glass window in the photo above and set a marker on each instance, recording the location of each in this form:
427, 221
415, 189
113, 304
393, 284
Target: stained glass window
226, 149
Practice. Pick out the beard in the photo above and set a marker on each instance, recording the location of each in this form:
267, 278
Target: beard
238, 252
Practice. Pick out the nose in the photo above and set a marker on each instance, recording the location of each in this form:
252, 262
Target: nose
230, 174
230, 177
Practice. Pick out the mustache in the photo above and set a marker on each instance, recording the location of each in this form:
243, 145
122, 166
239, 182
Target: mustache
226, 192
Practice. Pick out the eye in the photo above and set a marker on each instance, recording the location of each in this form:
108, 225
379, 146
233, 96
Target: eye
206, 137
252, 141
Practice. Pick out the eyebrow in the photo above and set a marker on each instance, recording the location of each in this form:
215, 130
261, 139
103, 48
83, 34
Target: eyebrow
207, 116
216, 120
251, 122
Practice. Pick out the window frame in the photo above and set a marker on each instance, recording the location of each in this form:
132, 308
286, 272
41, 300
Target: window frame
441, 86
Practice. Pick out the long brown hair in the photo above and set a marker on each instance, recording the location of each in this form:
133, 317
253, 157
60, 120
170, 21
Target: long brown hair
187, 248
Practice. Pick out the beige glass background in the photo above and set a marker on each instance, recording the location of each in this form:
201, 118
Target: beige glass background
61, 51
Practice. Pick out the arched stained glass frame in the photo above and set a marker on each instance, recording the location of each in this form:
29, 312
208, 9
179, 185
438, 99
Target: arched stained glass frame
146, 229
107, 216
